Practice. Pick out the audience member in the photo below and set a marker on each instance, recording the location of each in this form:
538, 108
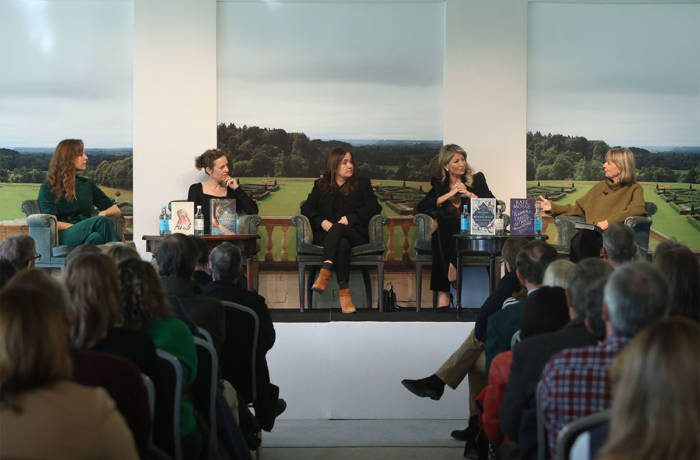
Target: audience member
656, 397
119, 252
469, 357
575, 381
225, 263
202, 273
42, 413
680, 267
619, 245
557, 273
19, 250
146, 308
7, 271
585, 299
530, 265
176, 258
87, 248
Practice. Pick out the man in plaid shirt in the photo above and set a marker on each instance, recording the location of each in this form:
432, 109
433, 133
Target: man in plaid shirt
575, 382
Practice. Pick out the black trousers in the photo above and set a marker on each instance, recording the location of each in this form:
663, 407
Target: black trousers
443, 246
337, 244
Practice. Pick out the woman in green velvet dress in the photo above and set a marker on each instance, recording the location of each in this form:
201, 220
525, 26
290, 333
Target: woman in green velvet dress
72, 199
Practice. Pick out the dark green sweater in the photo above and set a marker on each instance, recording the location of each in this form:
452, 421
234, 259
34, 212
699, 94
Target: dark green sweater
605, 201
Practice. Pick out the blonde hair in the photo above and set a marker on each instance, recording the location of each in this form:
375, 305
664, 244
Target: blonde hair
445, 156
33, 336
62, 168
93, 286
623, 158
656, 402
557, 273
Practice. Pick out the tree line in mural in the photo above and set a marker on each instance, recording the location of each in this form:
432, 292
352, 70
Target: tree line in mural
255, 151
558, 157
113, 170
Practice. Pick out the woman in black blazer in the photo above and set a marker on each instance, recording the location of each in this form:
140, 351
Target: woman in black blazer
444, 203
339, 209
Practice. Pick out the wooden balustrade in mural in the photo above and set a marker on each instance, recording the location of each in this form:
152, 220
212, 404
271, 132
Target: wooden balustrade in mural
278, 242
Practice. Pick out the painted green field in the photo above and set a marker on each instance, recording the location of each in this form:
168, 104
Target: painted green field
12, 195
666, 220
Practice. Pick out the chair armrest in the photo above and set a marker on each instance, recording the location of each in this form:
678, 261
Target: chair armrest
30, 207
566, 228
303, 230
376, 229
43, 228
425, 226
42, 220
248, 224
635, 221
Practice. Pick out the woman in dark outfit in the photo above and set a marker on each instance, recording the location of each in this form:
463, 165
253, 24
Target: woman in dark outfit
444, 203
339, 208
218, 184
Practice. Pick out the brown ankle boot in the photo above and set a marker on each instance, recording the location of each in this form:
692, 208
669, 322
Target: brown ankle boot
346, 301
321, 280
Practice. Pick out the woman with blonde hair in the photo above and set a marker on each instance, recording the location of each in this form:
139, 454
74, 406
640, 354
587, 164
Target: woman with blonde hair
72, 198
656, 394
42, 413
457, 184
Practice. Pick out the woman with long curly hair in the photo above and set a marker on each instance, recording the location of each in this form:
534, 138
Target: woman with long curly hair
72, 198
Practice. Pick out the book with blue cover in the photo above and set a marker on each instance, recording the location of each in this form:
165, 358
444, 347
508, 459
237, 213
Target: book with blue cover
522, 216
224, 220
483, 216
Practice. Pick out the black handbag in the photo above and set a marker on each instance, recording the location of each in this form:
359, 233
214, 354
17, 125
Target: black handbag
389, 297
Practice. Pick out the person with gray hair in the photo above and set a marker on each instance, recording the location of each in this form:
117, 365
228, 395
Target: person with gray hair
584, 296
575, 382
225, 264
19, 250
619, 244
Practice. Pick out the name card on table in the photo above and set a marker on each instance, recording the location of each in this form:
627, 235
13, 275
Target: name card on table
224, 220
522, 216
483, 216
182, 217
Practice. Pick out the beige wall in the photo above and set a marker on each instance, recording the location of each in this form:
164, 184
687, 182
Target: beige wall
175, 95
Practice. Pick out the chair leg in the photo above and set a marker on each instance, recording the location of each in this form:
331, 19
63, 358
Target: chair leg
380, 285
309, 288
302, 286
435, 299
368, 287
419, 284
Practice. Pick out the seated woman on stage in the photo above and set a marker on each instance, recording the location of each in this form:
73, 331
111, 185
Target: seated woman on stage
611, 200
444, 203
72, 198
218, 185
339, 209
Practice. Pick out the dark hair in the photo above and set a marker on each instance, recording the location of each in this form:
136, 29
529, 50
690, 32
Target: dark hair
143, 297
619, 244
83, 249
207, 159
18, 250
510, 249
681, 269
545, 311
176, 255
120, 252
225, 262
533, 259
7, 271
586, 283
333, 159
202, 250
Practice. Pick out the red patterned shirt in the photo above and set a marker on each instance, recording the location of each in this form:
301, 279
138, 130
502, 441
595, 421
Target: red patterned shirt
575, 383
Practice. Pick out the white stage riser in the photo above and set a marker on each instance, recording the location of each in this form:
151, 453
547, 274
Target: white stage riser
353, 370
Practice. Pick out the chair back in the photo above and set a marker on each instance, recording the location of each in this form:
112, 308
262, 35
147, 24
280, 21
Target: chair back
151, 392
30, 207
241, 348
166, 423
204, 334
542, 451
204, 387
571, 431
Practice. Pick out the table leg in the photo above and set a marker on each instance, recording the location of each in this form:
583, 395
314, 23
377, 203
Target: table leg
493, 277
250, 273
459, 280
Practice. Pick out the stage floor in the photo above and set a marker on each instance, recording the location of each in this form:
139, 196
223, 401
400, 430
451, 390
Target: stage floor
324, 315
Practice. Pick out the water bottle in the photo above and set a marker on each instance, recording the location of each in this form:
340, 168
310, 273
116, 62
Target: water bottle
464, 220
538, 219
499, 224
164, 221
199, 221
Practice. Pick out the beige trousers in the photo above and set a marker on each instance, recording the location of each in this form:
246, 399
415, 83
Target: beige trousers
470, 359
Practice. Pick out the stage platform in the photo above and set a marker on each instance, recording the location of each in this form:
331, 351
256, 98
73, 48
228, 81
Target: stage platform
334, 366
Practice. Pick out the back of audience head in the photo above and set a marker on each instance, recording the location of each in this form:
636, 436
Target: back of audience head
7, 271
656, 402
120, 252
585, 293
557, 273
176, 256
202, 261
680, 267
635, 295
143, 298
33, 336
533, 259
545, 311
20, 250
225, 262
86, 248
95, 298
619, 244
510, 249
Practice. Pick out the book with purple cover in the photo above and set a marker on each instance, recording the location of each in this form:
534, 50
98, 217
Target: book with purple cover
223, 216
522, 216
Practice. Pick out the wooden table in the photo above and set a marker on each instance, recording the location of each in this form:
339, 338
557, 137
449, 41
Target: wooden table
247, 244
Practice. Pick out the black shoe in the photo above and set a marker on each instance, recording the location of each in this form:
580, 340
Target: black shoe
280, 406
431, 387
461, 435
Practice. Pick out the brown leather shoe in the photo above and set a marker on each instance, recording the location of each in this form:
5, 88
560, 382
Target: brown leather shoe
321, 280
346, 301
